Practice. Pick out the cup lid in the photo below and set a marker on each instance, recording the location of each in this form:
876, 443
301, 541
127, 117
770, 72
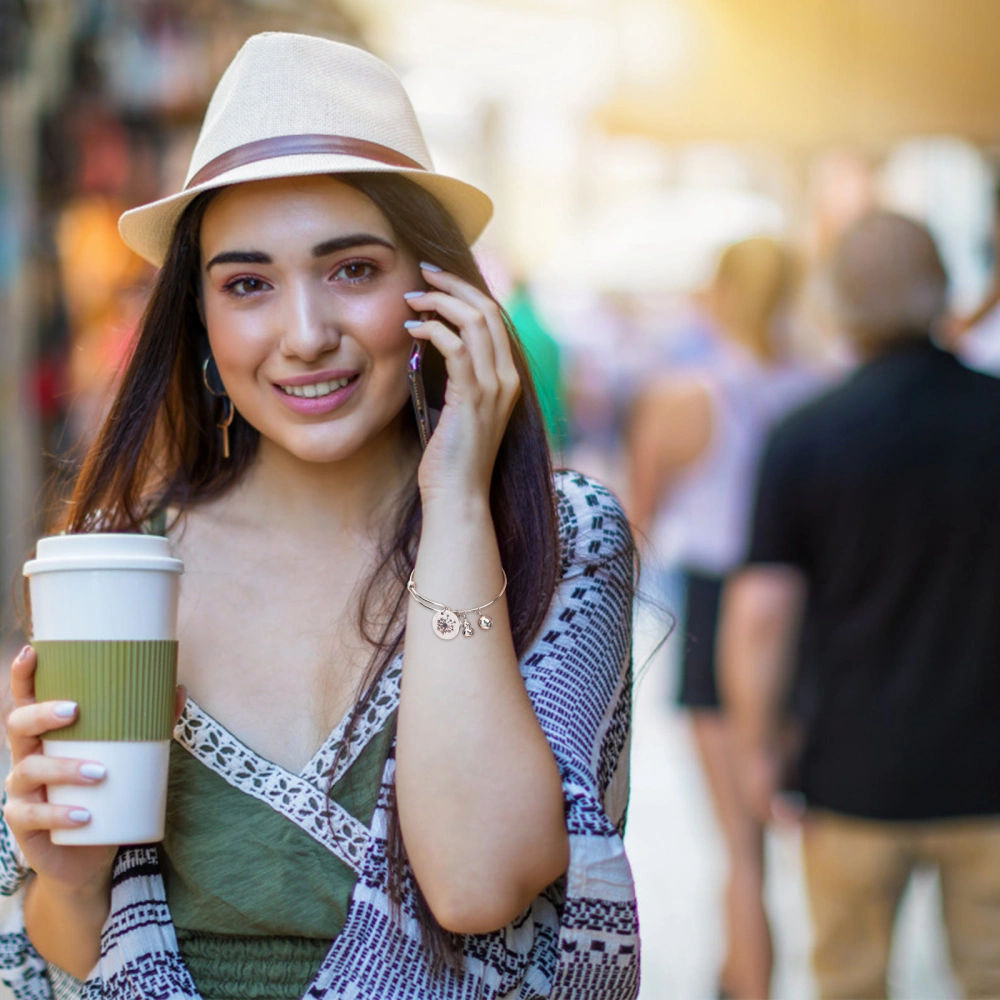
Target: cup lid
118, 550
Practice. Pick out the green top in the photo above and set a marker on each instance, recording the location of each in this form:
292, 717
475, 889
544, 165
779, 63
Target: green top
545, 362
255, 900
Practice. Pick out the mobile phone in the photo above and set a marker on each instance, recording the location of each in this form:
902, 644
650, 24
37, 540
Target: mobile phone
426, 374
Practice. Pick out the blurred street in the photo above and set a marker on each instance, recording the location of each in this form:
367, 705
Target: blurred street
674, 184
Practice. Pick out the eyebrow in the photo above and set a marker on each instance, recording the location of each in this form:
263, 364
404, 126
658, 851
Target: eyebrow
323, 249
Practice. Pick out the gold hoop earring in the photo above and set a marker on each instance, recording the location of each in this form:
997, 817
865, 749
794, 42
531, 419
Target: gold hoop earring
228, 411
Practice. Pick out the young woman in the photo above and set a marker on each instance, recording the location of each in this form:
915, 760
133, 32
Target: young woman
356, 807
695, 440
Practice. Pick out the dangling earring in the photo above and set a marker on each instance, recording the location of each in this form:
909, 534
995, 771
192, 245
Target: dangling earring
227, 406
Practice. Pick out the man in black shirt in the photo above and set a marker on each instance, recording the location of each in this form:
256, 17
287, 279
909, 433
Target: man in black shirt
873, 584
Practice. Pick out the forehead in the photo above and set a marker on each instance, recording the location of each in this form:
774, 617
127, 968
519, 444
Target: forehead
289, 209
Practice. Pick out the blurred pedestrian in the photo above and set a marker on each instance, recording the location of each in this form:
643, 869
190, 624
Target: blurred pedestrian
544, 356
694, 441
976, 337
872, 576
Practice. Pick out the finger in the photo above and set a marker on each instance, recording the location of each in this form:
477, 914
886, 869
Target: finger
472, 327
460, 289
22, 676
25, 817
180, 698
35, 771
788, 809
454, 350
26, 725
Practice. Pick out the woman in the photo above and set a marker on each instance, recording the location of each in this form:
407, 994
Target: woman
441, 840
695, 438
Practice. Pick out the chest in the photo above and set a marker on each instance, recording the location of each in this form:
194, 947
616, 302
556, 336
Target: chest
270, 643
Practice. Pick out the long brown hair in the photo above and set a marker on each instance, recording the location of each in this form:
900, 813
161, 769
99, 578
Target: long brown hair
159, 447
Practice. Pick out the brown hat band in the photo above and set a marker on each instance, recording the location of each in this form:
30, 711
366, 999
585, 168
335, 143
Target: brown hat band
293, 145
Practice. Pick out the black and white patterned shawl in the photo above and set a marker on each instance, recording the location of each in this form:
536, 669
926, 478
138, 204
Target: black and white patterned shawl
577, 941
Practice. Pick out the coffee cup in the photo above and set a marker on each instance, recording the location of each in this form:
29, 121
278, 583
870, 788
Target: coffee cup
104, 627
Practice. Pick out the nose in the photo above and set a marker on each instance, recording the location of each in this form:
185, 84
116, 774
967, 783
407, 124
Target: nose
309, 323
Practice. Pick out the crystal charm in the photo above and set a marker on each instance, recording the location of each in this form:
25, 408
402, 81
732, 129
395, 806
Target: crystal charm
485, 623
445, 624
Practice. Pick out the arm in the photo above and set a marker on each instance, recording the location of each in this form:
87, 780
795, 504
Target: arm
68, 898
670, 427
479, 793
761, 614
64, 922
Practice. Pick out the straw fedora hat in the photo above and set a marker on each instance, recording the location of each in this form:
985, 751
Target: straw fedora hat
290, 105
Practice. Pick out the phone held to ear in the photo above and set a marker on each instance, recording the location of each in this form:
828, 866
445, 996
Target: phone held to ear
418, 392
427, 375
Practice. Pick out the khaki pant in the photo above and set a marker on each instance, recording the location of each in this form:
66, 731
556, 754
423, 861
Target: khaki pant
856, 871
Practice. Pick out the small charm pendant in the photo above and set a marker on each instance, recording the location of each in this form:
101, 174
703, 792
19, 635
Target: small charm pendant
467, 629
445, 624
485, 623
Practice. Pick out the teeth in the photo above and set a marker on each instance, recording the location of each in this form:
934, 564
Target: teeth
316, 389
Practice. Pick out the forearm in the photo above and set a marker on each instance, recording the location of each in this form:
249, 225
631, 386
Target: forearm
65, 926
759, 626
479, 792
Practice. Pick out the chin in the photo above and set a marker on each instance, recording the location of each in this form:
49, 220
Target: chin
319, 452
325, 445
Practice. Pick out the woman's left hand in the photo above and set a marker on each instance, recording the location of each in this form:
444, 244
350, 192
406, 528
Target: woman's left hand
483, 385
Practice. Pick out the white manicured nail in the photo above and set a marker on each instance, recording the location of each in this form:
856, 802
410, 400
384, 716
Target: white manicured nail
429, 267
413, 295
65, 709
93, 771
412, 324
79, 815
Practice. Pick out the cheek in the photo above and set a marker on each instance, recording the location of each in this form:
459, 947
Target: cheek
386, 341
238, 342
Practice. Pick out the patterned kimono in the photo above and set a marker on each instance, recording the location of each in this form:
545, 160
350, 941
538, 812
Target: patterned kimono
577, 941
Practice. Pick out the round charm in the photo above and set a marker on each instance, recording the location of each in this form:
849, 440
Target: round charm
445, 624
485, 623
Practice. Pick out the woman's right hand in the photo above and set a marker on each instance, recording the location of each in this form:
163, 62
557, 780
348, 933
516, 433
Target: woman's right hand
28, 812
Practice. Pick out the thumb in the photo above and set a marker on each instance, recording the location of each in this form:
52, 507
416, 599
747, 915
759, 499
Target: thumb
180, 696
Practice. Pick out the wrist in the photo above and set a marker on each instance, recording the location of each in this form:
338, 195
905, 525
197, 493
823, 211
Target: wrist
85, 895
454, 508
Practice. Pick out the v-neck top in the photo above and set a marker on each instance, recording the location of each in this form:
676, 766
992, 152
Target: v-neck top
255, 900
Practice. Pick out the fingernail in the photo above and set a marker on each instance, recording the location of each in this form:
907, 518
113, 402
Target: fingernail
65, 709
411, 324
93, 771
79, 815
413, 295
24, 652
429, 267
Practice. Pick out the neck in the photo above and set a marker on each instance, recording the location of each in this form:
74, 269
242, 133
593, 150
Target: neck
753, 339
353, 495
871, 348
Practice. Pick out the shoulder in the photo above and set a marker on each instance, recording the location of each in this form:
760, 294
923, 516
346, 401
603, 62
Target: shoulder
816, 417
677, 395
593, 527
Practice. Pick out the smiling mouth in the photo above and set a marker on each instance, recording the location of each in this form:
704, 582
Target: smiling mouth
317, 389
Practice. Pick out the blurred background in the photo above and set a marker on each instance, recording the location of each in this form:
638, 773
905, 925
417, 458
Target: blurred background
625, 143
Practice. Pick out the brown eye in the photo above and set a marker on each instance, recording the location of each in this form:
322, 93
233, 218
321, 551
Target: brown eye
355, 271
242, 287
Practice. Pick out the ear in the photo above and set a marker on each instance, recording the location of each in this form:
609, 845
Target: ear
201, 308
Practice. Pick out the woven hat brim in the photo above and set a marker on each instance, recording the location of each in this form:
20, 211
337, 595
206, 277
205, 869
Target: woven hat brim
149, 229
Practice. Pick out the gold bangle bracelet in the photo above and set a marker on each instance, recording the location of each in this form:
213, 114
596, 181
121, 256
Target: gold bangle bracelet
446, 624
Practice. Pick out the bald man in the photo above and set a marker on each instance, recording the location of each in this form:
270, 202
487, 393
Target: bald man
873, 584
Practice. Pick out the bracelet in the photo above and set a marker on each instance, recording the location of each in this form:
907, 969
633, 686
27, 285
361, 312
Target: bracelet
446, 623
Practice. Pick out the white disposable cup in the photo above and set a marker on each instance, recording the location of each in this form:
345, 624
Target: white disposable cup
113, 590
